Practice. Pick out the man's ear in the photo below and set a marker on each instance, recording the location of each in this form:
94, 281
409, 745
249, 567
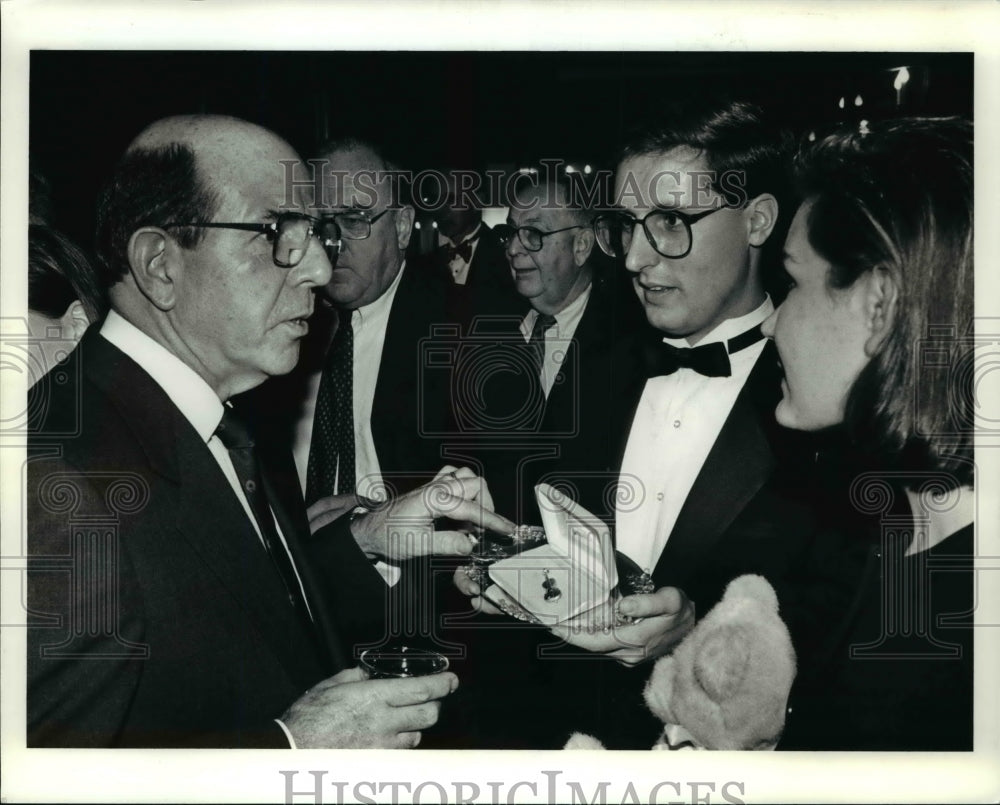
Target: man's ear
881, 294
74, 321
404, 226
762, 214
152, 259
583, 245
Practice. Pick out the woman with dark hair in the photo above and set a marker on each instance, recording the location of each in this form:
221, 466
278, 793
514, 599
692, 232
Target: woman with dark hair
873, 341
64, 297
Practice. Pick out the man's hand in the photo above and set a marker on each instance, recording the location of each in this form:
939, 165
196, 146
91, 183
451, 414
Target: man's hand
468, 587
667, 616
326, 510
404, 528
350, 711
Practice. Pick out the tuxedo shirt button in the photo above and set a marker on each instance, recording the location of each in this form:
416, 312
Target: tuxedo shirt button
677, 423
659, 496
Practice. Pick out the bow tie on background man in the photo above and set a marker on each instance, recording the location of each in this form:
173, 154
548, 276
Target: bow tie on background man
463, 249
711, 360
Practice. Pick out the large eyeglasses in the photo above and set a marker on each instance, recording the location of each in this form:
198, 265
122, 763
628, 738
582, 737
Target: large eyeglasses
668, 231
530, 237
354, 224
289, 234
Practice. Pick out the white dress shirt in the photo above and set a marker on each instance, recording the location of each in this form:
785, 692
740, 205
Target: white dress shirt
557, 337
368, 324
676, 423
458, 267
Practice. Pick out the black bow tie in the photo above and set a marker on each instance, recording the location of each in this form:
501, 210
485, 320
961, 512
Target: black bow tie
463, 249
711, 360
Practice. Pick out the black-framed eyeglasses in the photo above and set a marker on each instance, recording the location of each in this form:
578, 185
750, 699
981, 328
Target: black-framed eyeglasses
288, 234
531, 237
668, 231
354, 224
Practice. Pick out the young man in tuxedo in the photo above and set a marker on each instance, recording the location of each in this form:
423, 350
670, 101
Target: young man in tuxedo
176, 597
699, 218
698, 202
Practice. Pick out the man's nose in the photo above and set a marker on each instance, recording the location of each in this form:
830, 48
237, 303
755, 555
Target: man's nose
514, 245
641, 253
314, 268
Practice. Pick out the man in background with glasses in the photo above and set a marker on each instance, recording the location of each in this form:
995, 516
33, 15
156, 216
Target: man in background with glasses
579, 309
368, 423
178, 598
565, 362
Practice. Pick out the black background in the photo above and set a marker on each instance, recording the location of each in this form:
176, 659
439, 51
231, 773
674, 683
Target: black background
464, 109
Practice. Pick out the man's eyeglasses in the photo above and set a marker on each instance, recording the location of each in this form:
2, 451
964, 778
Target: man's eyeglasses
354, 224
289, 234
530, 237
668, 231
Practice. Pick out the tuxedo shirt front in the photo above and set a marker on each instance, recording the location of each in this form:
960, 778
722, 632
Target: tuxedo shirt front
677, 421
458, 266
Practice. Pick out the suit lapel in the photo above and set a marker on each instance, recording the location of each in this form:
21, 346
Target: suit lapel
738, 465
209, 517
395, 371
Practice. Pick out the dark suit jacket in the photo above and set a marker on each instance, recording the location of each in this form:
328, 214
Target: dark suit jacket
568, 438
410, 409
738, 518
572, 441
157, 617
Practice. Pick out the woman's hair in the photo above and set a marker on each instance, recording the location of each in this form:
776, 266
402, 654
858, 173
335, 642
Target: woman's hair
59, 274
898, 198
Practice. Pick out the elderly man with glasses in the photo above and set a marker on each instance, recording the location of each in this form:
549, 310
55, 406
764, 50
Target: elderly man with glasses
176, 596
567, 365
579, 309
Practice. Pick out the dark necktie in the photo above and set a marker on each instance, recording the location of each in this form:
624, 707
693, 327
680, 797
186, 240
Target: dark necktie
333, 421
536, 341
234, 435
711, 360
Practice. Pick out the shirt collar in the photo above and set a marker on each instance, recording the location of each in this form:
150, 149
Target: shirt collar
572, 311
381, 306
730, 328
187, 390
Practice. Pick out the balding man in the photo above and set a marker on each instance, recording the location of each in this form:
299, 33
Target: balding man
175, 603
